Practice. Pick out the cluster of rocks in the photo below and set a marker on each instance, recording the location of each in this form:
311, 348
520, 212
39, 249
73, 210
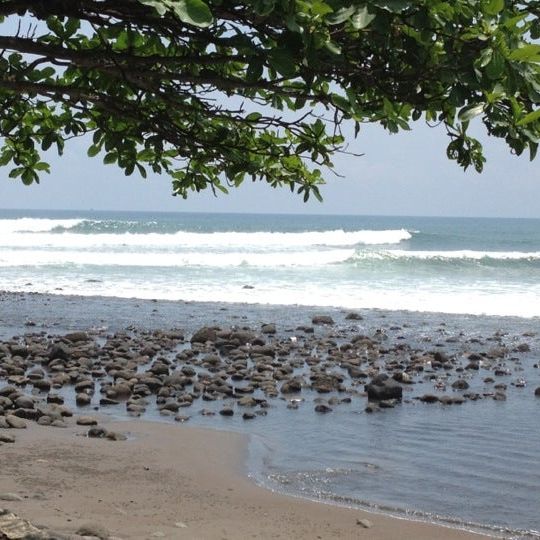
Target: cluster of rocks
13, 527
239, 370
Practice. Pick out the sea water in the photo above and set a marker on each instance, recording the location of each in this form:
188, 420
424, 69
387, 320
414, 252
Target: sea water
477, 266
475, 465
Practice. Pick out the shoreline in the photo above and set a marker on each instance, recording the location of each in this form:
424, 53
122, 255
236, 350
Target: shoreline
270, 306
173, 482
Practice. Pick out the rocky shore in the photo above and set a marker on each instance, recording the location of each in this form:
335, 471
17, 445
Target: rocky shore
60, 390
247, 371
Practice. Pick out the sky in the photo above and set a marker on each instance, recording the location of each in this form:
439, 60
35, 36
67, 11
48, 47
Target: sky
404, 174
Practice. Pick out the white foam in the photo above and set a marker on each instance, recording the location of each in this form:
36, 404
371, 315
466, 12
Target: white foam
32, 258
244, 240
33, 225
446, 255
486, 299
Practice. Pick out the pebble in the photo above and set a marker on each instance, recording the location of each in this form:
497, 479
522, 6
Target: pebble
15, 422
86, 421
365, 523
12, 497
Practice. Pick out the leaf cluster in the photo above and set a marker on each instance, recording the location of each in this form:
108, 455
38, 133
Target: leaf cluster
212, 92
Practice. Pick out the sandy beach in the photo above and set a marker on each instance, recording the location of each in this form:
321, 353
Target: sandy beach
169, 482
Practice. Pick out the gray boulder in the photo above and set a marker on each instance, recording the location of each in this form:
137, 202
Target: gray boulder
383, 390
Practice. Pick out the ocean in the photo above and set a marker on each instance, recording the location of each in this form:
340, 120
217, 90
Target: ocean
460, 286
446, 265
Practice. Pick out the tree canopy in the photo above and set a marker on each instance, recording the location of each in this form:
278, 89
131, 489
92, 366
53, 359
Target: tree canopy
214, 91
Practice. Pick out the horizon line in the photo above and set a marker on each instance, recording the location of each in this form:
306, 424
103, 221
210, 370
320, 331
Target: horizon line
306, 214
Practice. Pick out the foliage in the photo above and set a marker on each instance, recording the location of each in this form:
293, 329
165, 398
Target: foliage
212, 91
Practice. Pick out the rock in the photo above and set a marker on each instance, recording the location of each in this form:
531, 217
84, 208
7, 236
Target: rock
6, 391
322, 408
86, 421
24, 402
226, 411
182, 418
12, 527
365, 523
5, 438
268, 329
499, 396
248, 416
76, 337
27, 414
82, 399
247, 401
352, 316
97, 432
15, 422
460, 384
322, 319
59, 351
119, 391
42, 384
371, 407
93, 529
291, 387
204, 334
429, 398
58, 424
44, 420
537, 392
11, 497
85, 386
383, 390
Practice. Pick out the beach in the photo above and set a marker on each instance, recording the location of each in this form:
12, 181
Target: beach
170, 482
383, 364
423, 466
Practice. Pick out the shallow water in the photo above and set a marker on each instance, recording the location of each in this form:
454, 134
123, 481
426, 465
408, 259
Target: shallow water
474, 463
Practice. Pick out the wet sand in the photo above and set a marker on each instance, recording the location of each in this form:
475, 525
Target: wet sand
170, 481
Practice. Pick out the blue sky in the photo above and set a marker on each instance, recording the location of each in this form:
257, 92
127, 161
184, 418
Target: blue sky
405, 174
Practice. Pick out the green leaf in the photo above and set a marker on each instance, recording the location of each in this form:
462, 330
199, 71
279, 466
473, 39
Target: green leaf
496, 66
55, 26
110, 158
528, 118
253, 117
195, 12
470, 111
283, 62
28, 176
341, 102
93, 151
341, 15
333, 48
528, 53
263, 8
72, 26
142, 170
362, 18
158, 5
42, 166
494, 7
